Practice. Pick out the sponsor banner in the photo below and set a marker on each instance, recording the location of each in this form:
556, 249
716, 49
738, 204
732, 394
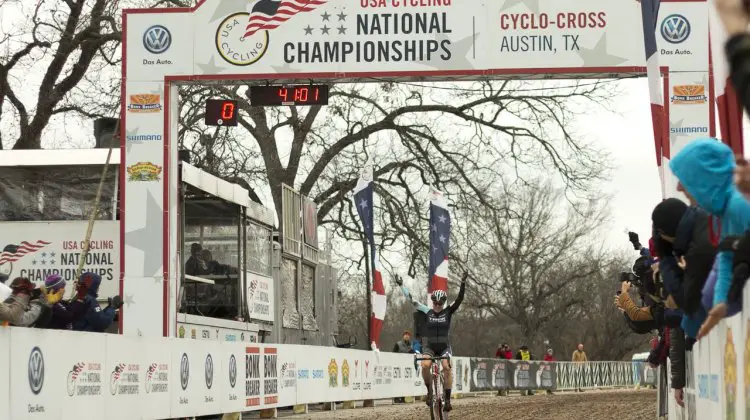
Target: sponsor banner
157, 384
195, 383
461, 374
124, 376
260, 297
5, 374
57, 373
400, 36
682, 36
229, 379
495, 374
208, 332
262, 376
38, 249
314, 376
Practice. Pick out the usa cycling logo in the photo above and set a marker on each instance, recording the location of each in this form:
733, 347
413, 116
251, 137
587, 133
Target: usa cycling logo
36, 370
157, 39
209, 371
184, 371
675, 29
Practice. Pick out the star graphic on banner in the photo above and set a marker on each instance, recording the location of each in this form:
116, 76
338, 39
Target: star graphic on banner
308, 30
225, 8
342, 30
285, 69
442, 238
52, 262
363, 204
210, 67
434, 228
128, 300
43, 262
44, 254
143, 239
324, 30
532, 5
128, 133
599, 56
33, 262
442, 219
52, 254
341, 16
459, 57
326, 17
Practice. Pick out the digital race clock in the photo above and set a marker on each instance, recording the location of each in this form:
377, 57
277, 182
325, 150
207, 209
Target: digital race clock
221, 112
289, 95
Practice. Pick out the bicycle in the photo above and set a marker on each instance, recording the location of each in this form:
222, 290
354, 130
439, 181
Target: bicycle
437, 411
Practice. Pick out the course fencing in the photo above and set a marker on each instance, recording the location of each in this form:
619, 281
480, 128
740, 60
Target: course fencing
47, 374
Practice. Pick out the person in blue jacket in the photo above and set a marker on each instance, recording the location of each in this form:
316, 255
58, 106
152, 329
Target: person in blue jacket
95, 319
705, 169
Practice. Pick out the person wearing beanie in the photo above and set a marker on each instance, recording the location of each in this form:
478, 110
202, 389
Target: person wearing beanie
63, 314
94, 318
705, 169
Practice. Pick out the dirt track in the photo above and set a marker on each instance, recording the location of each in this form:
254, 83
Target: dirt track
630, 405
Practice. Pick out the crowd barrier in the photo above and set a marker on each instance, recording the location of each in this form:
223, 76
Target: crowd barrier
69, 375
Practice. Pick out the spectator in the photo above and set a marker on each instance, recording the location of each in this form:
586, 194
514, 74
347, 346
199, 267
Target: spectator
734, 16
195, 265
13, 308
63, 314
405, 344
504, 352
94, 317
579, 356
549, 357
39, 311
705, 169
524, 353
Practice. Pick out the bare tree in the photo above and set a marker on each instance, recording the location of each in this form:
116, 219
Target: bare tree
60, 64
534, 263
460, 138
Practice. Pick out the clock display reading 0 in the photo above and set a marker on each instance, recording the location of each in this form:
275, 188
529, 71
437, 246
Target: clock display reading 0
220, 112
289, 95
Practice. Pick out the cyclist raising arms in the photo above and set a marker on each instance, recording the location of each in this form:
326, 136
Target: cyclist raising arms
435, 335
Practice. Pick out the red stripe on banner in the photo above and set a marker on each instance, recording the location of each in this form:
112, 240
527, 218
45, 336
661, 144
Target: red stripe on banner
269, 350
657, 121
376, 325
252, 350
439, 283
377, 284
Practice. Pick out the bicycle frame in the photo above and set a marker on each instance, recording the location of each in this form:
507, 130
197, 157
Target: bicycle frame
438, 406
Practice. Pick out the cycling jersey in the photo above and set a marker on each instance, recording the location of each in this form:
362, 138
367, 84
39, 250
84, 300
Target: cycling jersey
438, 324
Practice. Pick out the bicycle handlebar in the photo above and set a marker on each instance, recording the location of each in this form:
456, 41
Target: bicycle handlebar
433, 358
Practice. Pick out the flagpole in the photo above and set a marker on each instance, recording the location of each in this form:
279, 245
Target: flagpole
368, 282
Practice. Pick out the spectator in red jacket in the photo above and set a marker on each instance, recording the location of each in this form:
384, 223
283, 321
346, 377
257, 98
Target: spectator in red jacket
548, 357
504, 352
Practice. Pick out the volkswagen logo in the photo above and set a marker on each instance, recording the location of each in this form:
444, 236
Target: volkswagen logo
36, 370
157, 39
184, 371
209, 371
675, 29
232, 371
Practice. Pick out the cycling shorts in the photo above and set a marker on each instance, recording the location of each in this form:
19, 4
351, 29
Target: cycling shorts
438, 350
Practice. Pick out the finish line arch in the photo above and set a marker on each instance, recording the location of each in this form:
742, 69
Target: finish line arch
228, 41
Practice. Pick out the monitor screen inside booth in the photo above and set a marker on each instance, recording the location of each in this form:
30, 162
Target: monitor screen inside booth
212, 233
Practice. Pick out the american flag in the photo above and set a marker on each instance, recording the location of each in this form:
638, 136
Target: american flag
12, 253
440, 233
269, 14
650, 16
730, 111
363, 199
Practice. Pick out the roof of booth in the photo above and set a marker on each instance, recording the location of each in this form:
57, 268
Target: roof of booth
58, 157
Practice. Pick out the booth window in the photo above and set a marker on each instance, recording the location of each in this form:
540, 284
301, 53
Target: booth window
259, 248
44, 193
211, 251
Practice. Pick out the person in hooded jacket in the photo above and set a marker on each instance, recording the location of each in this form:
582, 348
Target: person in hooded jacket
94, 318
63, 314
705, 169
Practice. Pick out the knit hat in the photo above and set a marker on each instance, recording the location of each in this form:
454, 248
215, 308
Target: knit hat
667, 215
54, 282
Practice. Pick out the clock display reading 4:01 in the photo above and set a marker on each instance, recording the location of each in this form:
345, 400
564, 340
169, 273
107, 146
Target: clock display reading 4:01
289, 95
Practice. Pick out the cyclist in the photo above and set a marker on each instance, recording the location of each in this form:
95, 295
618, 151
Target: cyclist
436, 336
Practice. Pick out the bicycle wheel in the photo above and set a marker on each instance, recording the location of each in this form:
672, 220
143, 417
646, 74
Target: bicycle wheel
438, 412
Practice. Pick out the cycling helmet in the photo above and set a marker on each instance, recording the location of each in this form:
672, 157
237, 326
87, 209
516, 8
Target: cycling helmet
439, 296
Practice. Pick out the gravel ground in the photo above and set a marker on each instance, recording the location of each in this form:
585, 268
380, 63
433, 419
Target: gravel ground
600, 405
